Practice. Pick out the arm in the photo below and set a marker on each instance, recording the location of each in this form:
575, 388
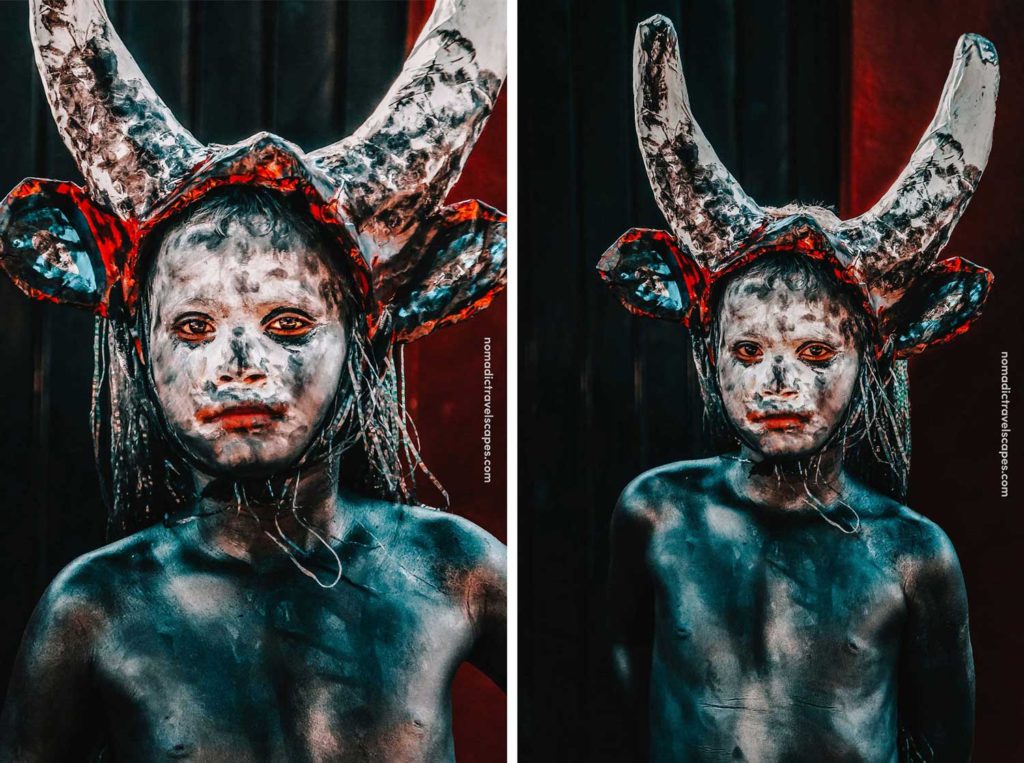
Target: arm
48, 713
631, 608
937, 668
489, 652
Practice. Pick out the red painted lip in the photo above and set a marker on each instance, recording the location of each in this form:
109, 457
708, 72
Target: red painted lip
242, 417
777, 421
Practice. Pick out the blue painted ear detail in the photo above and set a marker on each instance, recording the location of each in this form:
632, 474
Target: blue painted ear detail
461, 270
941, 305
56, 245
652, 276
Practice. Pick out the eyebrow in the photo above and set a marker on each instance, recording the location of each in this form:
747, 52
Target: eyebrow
285, 309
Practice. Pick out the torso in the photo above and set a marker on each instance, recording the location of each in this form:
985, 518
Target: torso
207, 658
777, 636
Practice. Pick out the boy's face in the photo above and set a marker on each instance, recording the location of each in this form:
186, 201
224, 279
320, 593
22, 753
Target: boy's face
787, 364
247, 341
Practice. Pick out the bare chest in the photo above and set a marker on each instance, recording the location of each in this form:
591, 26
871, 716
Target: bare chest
814, 611
215, 669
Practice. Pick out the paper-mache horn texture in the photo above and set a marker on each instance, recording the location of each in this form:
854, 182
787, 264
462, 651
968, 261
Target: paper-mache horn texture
379, 190
889, 253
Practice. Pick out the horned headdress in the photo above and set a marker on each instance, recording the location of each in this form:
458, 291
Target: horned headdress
889, 254
380, 191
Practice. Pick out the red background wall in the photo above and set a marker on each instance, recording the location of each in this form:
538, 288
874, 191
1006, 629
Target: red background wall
445, 373
900, 54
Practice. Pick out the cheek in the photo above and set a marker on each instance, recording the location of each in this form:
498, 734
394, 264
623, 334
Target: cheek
737, 384
179, 372
311, 372
738, 379
832, 387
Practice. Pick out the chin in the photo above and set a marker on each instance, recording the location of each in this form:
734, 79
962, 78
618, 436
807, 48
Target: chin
784, 445
245, 456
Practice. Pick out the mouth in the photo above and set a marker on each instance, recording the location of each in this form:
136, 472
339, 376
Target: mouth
242, 417
779, 421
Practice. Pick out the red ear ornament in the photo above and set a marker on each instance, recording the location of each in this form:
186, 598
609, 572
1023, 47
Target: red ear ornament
652, 275
942, 304
460, 270
57, 245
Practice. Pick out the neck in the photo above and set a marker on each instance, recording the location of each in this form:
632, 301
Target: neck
791, 484
242, 517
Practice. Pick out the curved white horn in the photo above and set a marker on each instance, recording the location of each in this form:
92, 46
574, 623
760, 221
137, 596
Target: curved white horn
124, 139
903, 233
705, 205
400, 164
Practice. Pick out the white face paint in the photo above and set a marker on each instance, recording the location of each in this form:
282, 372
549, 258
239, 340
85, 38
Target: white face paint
247, 341
787, 364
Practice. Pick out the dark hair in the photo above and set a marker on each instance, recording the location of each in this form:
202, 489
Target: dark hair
143, 472
875, 431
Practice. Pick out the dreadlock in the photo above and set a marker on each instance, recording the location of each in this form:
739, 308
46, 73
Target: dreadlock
146, 478
875, 432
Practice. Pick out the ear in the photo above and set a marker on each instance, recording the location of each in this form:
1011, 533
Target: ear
940, 305
461, 269
652, 275
56, 245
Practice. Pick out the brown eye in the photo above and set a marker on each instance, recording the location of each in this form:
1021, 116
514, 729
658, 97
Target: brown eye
747, 352
816, 352
193, 328
289, 325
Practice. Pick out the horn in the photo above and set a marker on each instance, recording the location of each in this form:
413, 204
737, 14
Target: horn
705, 205
902, 234
397, 168
126, 143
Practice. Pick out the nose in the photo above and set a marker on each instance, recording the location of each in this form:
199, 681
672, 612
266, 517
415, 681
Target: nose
243, 363
778, 383
251, 377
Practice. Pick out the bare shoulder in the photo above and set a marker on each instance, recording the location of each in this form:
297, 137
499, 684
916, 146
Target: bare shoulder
915, 538
928, 569
122, 562
923, 553
84, 598
922, 537
444, 550
452, 538
669, 488
928, 553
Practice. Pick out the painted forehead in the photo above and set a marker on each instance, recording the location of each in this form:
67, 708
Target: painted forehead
248, 258
785, 304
